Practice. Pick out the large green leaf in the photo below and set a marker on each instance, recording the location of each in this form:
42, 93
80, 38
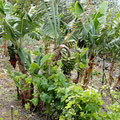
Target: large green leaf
103, 7
35, 101
45, 59
21, 55
83, 52
96, 22
34, 68
99, 17
45, 97
48, 27
2, 7
37, 59
62, 79
23, 58
78, 9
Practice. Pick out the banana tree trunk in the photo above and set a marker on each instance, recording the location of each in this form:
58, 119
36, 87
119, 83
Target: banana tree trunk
27, 94
88, 71
76, 79
118, 82
111, 72
79, 76
46, 45
90, 2
103, 70
4, 47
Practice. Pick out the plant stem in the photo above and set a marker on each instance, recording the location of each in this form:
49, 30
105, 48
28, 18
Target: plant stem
55, 30
111, 72
12, 117
21, 33
103, 76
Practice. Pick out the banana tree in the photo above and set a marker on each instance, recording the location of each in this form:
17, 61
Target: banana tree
91, 32
113, 43
55, 20
17, 21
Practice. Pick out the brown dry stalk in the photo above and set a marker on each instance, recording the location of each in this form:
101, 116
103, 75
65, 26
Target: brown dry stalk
58, 52
88, 71
111, 79
5, 48
118, 82
90, 2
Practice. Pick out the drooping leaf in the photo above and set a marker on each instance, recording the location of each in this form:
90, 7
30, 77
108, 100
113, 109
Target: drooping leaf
21, 55
83, 52
78, 9
2, 7
29, 57
103, 7
45, 58
12, 34
23, 58
96, 22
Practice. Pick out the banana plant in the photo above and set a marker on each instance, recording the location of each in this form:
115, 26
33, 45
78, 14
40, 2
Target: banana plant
91, 32
17, 21
113, 43
55, 25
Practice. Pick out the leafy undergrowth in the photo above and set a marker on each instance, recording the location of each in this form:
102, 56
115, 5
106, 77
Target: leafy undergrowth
107, 109
8, 97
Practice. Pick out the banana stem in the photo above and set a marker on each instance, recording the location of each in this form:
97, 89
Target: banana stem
12, 114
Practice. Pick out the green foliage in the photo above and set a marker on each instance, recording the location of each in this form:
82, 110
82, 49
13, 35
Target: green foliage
33, 68
113, 112
80, 104
35, 35
35, 101
59, 94
103, 7
27, 106
92, 28
17, 77
2, 7
17, 22
78, 9
24, 59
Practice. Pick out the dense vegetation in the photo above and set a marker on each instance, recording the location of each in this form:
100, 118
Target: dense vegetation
76, 39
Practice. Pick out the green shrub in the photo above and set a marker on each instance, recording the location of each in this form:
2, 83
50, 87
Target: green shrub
80, 104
